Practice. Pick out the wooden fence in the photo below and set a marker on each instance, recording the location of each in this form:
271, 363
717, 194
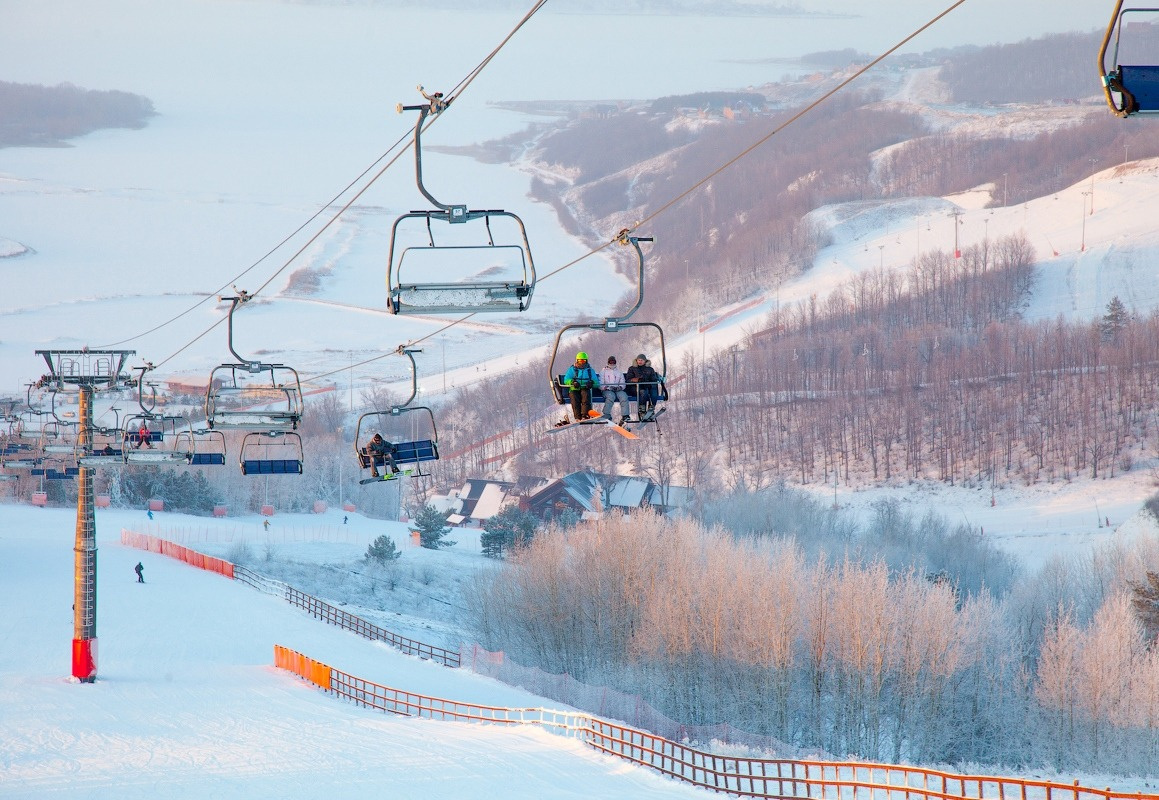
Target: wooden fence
783, 779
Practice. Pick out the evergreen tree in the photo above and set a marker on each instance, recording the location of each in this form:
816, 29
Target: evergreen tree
432, 527
383, 551
505, 531
1114, 320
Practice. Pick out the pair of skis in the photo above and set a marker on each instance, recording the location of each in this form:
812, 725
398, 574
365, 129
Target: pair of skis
599, 419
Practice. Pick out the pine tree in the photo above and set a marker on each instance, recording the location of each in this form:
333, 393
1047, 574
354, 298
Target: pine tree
1114, 320
432, 527
505, 531
382, 550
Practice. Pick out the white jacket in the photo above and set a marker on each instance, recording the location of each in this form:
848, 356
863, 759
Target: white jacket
612, 378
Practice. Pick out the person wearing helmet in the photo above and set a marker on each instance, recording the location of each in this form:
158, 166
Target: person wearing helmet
579, 379
613, 383
647, 383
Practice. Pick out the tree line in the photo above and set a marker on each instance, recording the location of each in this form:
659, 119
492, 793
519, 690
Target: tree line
836, 654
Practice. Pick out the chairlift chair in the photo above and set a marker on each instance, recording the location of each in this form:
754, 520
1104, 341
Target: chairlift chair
252, 395
271, 453
204, 447
1131, 86
559, 390
413, 444
161, 446
462, 269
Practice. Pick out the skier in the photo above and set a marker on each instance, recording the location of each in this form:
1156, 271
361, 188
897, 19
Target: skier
344, 520
140, 570
612, 382
150, 512
579, 380
266, 524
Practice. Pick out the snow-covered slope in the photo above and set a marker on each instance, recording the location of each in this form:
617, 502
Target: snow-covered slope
188, 705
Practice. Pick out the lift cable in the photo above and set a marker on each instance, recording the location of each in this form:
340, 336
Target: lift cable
843, 84
458, 90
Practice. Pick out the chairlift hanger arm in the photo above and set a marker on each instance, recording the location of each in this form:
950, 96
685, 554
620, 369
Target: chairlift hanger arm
625, 239
242, 297
409, 352
435, 105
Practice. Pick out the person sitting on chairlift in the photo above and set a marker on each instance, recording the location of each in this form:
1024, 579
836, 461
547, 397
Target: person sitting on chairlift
144, 437
579, 380
380, 451
647, 386
612, 382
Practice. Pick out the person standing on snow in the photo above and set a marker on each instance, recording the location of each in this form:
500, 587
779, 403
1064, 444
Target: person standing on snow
140, 570
579, 379
612, 381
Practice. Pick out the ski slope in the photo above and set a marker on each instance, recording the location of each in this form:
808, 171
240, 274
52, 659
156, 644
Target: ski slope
187, 703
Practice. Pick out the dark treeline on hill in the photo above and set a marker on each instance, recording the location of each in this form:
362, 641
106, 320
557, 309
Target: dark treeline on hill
33, 115
713, 100
1053, 68
1020, 169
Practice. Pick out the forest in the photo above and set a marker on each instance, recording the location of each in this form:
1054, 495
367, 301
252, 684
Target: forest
835, 655
44, 116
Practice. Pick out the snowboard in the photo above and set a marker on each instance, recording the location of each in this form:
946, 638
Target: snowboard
386, 476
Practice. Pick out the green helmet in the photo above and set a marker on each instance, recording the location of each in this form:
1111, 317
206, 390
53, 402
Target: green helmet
581, 356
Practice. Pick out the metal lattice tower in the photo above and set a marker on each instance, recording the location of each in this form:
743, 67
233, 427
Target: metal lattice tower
85, 371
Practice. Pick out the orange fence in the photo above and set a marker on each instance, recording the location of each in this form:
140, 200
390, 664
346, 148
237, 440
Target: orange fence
744, 777
312, 605
143, 541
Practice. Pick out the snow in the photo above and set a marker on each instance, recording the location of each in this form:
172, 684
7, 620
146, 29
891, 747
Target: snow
188, 704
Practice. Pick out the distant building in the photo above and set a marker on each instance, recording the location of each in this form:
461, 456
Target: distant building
590, 495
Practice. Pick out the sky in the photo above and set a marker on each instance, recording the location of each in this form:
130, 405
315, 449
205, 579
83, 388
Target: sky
267, 110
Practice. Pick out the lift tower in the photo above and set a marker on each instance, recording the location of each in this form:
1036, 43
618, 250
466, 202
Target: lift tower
85, 371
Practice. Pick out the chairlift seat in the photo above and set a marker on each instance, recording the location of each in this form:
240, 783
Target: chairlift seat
1143, 84
457, 298
155, 457
134, 437
38, 471
207, 459
275, 466
414, 452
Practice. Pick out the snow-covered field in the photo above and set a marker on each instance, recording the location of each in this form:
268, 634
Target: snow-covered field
188, 704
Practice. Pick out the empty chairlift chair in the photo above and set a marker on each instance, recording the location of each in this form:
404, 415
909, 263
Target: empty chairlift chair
452, 259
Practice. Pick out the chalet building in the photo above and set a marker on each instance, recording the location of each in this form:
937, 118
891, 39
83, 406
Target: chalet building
589, 495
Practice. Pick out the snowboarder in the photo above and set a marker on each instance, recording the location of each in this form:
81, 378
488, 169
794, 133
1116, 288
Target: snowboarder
266, 524
140, 570
345, 519
150, 513
579, 380
612, 381
380, 451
